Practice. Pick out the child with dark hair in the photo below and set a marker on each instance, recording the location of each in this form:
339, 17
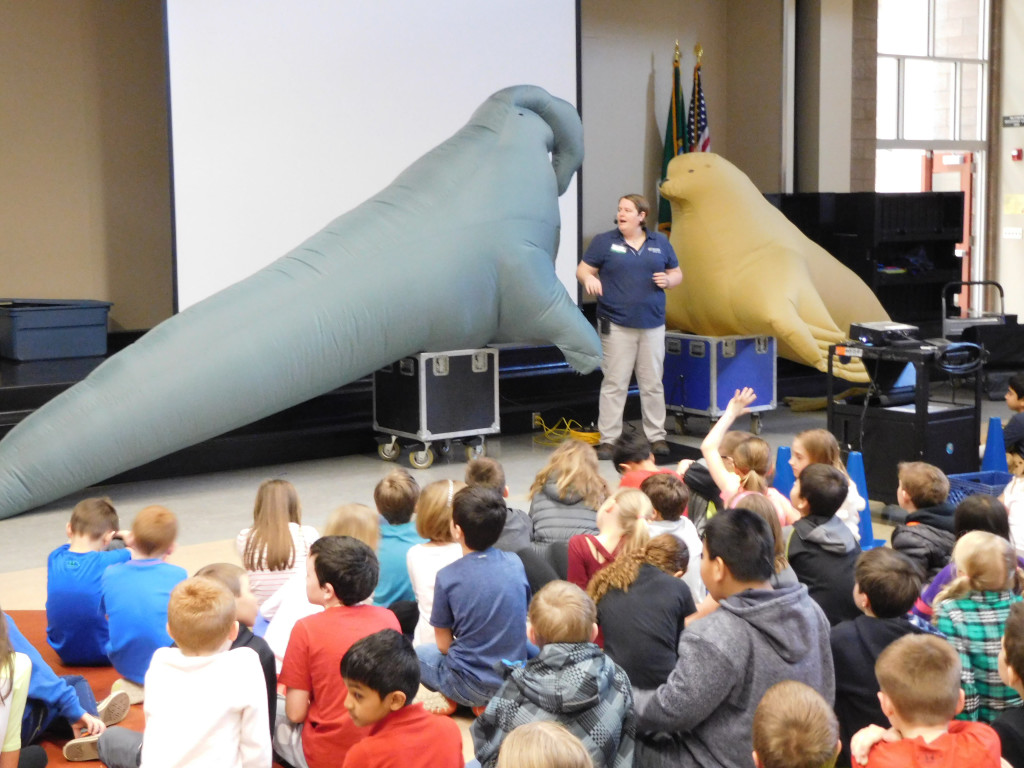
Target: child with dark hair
395, 497
886, 585
1010, 724
518, 530
977, 512
76, 628
313, 727
919, 678
669, 497
570, 682
819, 545
642, 608
382, 675
926, 535
757, 637
479, 610
1013, 431
794, 727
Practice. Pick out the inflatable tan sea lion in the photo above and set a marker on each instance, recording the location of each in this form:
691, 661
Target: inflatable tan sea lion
749, 271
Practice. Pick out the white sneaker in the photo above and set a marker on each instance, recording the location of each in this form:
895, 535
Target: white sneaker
83, 748
114, 708
136, 693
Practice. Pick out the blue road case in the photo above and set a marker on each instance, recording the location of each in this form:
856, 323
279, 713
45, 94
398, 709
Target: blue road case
703, 372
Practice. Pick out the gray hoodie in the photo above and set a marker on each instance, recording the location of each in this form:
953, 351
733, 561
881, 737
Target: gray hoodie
703, 714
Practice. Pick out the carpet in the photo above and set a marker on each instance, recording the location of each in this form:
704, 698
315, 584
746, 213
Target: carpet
33, 626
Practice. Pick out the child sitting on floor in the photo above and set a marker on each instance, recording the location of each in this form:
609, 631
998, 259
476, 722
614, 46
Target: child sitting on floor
926, 534
395, 497
382, 675
820, 548
433, 523
135, 595
819, 446
887, 583
236, 580
1010, 724
205, 705
566, 493
76, 628
479, 611
669, 496
622, 528
642, 605
543, 744
919, 677
794, 727
571, 681
517, 533
971, 612
751, 466
313, 725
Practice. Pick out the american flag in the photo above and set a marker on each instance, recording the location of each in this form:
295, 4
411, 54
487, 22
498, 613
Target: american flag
700, 137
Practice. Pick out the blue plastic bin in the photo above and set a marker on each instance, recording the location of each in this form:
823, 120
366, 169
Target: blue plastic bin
47, 329
969, 483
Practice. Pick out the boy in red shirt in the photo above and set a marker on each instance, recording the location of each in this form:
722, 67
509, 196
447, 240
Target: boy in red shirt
314, 729
382, 675
919, 677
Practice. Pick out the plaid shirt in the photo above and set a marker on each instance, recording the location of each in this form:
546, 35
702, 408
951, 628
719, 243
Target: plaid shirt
974, 625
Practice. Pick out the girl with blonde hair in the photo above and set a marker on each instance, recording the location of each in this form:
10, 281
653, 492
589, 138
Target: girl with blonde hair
566, 493
275, 547
15, 669
433, 523
971, 612
819, 446
355, 520
543, 744
642, 605
753, 467
622, 529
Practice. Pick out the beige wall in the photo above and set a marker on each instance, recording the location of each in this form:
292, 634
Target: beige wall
83, 147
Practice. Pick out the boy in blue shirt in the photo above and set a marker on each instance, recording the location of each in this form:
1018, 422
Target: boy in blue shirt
479, 612
135, 596
395, 497
76, 627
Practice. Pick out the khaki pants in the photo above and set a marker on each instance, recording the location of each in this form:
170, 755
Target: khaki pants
625, 351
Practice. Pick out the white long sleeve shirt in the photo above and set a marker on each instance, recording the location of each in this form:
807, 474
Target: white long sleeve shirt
206, 711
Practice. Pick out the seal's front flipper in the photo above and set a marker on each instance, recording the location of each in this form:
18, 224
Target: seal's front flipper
536, 307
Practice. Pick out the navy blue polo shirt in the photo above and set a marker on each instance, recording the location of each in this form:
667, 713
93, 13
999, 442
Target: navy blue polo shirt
630, 297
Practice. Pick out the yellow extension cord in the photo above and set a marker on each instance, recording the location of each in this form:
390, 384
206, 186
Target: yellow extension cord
565, 429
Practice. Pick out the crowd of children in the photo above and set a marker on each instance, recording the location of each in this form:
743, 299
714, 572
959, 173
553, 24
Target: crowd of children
598, 629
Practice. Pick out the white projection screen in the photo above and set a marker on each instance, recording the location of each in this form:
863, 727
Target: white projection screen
288, 113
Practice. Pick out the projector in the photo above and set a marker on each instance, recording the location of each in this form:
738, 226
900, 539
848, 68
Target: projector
884, 333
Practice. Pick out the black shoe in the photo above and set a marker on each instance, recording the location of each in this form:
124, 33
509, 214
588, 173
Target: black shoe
604, 451
660, 448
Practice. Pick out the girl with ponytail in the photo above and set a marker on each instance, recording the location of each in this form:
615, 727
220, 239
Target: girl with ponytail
642, 604
752, 463
621, 530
